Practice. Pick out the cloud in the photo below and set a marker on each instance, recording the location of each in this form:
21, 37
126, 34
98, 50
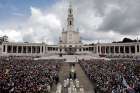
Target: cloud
13, 35
109, 20
41, 27
124, 19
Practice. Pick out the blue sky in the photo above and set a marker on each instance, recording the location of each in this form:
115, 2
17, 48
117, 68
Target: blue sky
17, 10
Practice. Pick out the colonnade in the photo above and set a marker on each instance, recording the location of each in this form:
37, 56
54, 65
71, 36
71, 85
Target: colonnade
97, 49
23, 49
121, 49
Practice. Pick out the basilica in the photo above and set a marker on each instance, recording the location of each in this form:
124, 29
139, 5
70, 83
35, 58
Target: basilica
69, 44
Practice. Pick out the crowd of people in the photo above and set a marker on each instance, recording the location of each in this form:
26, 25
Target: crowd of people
120, 56
113, 76
27, 75
21, 75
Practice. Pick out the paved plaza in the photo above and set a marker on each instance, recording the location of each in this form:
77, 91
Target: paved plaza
73, 58
81, 77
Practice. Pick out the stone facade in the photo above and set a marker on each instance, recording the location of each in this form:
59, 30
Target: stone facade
23, 49
119, 48
42, 49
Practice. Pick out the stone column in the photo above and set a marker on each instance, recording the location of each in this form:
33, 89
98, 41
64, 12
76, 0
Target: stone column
124, 49
2, 48
31, 50
93, 49
100, 49
11, 48
45, 49
6, 48
21, 49
136, 49
114, 50
119, 49
36, 49
16, 49
97, 49
109, 49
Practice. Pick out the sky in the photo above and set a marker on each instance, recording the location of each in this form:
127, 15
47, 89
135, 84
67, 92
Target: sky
43, 20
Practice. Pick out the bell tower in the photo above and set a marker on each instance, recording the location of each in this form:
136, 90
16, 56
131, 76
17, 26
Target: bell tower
70, 37
70, 18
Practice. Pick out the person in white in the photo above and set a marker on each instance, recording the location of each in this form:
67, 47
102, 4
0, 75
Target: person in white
81, 90
59, 88
49, 88
69, 90
65, 83
77, 83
